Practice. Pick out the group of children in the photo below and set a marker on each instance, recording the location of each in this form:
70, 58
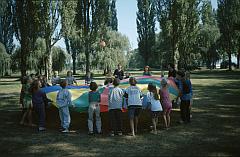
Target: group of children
158, 102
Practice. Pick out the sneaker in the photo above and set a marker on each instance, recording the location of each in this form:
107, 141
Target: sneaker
90, 133
41, 129
120, 134
112, 134
65, 131
180, 122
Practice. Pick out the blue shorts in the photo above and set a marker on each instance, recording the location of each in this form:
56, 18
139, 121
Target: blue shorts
134, 112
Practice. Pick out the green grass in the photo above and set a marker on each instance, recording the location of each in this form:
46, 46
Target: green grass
214, 131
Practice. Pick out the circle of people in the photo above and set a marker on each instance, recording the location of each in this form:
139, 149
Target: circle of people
32, 97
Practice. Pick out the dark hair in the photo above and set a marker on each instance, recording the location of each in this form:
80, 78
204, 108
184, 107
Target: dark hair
34, 86
171, 65
116, 82
132, 81
180, 73
146, 67
63, 83
152, 88
93, 86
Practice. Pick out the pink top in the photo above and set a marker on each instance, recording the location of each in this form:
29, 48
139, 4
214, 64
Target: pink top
166, 102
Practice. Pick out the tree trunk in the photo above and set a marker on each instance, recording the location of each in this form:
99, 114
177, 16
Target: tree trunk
48, 71
238, 59
229, 61
23, 58
87, 54
74, 62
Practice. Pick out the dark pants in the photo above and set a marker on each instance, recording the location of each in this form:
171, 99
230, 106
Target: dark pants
185, 110
115, 116
40, 109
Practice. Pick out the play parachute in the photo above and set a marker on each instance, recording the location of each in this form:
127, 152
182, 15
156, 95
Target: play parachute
80, 93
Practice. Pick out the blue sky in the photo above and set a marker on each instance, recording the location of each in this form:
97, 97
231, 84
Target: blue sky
126, 14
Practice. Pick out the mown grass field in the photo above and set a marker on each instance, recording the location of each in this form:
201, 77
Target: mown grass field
214, 131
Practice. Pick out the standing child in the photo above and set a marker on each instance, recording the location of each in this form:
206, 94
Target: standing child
166, 103
191, 93
27, 102
94, 107
156, 108
115, 108
70, 79
185, 88
133, 95
64, 101
39, 99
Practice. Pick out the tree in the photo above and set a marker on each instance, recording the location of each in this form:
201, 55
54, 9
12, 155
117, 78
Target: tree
209, 34
146, 28
49, 17
68, 21
26, 28
179, 25
4, 61
6, 26
59, 59
92, 18
113, 21
228, 15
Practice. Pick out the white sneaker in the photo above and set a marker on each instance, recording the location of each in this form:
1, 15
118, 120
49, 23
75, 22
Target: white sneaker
41, 129
65, 131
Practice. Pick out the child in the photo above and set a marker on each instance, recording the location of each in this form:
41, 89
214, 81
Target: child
147, 71
94, 106
115, 108
154, 100
191, 94
70, 79
88, 78
64, 101
133, 95
55, 79
108, 80
185, 88
39, 99
166, 103
27, 102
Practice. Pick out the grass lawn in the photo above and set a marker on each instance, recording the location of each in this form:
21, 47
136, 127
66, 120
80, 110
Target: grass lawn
214, 131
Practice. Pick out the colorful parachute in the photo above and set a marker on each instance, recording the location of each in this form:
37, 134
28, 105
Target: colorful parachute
80, 93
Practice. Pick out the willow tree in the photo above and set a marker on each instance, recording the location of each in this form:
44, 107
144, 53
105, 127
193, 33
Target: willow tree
92, 19
146, 28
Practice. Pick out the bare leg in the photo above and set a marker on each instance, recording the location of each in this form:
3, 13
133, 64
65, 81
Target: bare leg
168, 119
165, 119
132, 126
23, 118
136, 124
30, 117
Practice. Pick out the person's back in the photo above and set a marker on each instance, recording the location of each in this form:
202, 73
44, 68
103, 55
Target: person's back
165, 97
115, 98
134, 96
155, 104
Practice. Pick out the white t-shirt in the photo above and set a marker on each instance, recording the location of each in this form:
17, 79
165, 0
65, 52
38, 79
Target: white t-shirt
134, 96
155, 104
